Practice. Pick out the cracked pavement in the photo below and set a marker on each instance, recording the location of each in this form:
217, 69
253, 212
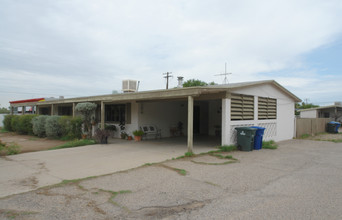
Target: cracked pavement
300, 180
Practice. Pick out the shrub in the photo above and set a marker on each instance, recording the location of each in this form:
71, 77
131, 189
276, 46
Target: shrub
52, 127
15, 123
7, 122
71, 128
38, 125
25, 124
76, 127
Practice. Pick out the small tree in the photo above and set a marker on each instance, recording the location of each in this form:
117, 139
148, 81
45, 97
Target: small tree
87, 109
194, 82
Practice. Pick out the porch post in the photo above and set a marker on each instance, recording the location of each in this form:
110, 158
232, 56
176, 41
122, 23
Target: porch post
73, 109
102, 116
11, 110
225, 121
37, 109
23, 109
52, 109
190, 123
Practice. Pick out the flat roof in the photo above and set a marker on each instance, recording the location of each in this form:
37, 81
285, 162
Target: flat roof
320, 108
175, 93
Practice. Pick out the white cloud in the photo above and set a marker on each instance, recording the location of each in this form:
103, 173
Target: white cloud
91, 46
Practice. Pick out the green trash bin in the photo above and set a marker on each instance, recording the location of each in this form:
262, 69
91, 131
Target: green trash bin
245, 138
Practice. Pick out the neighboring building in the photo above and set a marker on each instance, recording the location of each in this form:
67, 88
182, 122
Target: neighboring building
332, 111
203, 111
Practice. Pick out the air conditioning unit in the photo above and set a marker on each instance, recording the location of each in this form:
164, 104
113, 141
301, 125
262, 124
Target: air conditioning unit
129, 85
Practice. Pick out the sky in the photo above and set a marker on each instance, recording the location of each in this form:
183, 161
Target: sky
75, 48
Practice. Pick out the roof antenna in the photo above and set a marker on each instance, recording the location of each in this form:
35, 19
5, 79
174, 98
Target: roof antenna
225, 74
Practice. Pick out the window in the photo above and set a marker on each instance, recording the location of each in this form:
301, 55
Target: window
267, 108
118, 113
64, 110
242, 107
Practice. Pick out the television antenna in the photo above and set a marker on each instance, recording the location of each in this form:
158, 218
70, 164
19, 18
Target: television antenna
225, 74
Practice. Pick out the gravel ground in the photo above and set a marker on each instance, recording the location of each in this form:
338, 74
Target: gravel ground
300, 180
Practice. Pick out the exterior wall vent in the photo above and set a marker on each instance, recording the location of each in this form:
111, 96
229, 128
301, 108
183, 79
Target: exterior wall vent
129, 85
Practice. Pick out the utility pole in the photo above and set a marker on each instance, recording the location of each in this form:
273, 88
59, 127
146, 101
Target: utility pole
167, 76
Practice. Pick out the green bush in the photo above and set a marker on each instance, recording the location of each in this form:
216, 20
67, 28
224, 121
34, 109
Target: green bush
52, 127
25, 124
15, 123
39, 125
71, 128
7, 122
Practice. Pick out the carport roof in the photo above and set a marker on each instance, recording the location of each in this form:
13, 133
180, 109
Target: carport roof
176, 93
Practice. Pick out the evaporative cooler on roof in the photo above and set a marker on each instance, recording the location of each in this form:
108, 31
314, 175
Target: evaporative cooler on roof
129, 85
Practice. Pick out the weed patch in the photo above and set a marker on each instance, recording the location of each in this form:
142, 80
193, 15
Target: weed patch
269, 145
228, 148
189, 154
3, 130
75, 143
10, 149
305, 136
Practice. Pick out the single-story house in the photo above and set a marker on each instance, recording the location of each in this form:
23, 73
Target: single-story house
332, 111
204, 111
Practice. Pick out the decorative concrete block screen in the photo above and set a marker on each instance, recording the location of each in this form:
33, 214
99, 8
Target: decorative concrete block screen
270, 130
233, 133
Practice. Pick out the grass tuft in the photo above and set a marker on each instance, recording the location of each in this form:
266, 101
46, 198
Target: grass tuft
75, 143
269, 145
305, 136
228, 148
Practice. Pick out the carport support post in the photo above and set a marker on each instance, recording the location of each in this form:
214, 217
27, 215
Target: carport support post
73, 110
52, 109
190, 123
225, 121
102, 115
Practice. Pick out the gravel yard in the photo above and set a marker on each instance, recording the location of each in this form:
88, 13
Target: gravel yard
300, 180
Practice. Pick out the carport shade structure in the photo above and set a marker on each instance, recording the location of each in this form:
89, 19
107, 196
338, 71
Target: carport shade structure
222, 108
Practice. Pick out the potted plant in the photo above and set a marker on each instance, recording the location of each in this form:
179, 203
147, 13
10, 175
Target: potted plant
138, 134
123, 134
129, 137
84, 135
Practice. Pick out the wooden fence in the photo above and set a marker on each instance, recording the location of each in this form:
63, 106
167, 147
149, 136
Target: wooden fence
311, 126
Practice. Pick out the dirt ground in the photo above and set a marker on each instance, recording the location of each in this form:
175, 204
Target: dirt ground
326, 137
29, 143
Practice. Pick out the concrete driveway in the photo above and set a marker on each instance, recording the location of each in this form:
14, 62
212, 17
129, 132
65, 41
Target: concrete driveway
29, 171
300, 180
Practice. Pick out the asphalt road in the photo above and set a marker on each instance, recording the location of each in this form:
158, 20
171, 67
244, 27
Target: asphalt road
302, 179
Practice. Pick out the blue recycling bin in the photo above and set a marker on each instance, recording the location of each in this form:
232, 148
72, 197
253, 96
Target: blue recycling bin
333, 127
258, 137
